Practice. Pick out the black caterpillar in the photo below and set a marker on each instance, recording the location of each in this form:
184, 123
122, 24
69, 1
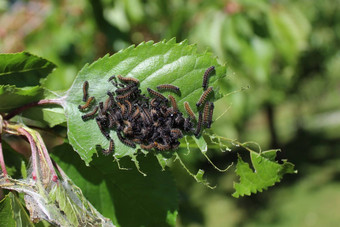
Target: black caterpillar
154, 124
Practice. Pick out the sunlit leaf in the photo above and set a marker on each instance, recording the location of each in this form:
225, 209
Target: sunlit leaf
153, 64
266, 173
23, 69
12, 97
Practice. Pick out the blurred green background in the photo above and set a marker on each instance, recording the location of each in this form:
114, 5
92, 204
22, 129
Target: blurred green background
286, 52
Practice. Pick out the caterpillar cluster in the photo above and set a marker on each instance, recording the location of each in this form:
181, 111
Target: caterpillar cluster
152, 124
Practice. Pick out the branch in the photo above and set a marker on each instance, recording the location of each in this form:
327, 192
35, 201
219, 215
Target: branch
2, 161
33, 104
34, 151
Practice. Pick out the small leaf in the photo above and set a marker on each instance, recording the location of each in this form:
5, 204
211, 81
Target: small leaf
201, 143
266, 173
152, 64
23, 69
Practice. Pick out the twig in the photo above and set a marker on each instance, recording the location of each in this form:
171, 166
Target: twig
2, 161
34, 150
47, 157
33, 104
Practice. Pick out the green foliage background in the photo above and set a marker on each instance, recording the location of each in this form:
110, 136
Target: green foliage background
286, 51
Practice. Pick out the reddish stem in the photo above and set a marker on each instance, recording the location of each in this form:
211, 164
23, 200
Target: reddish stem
2, 161
33, 148
33, 104
48, 159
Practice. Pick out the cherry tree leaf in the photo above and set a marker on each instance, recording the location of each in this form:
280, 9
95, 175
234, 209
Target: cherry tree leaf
120, 195
152, 64
13, 213
12, 97
266, 173
23, 69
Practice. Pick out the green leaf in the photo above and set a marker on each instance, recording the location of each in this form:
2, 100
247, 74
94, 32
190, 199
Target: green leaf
61, 203
46, 115
152, 64
12, 213
6, 212
127, 197
23, 69
50, 116
266, 173
12, 97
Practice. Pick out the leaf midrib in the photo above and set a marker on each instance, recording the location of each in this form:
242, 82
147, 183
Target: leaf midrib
23, 71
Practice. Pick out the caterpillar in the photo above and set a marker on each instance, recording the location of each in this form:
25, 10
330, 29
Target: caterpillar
112, 99
110, 149
89, 115
173, 103
125, 141
187, 126
147, 147
179, 119
157, 94
128, 79
112, 120
107, 104
128, 131
211, 111
189, 110
122, 108
168, 87
111, 78
206, 75
129, 105
154, 102
136, 113
101, 106
137, 141
204, 96
162, 147
102, 110
85, 87
125, 89
87, 104
106, 134
199, 125
127, 95
206, 113
175, 132
147, 118
168, 112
